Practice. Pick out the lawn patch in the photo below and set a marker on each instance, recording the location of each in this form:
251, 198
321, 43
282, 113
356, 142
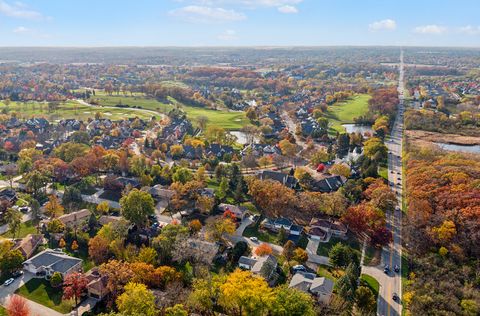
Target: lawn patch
262, 234
40, 291
25, 228
371, 282
330, 272
351, 241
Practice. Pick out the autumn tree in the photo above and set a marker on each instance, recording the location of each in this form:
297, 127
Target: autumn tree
292, 302
74, 285
137, 300
244, 293
98, 249
263, 250
17, 306
136, 206
215, 228
53, 208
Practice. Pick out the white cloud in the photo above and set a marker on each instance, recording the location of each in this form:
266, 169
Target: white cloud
470, 30
387, 24
245, 3
21, 30
228, 35
19, 10
430, 29
288, 9
194, 13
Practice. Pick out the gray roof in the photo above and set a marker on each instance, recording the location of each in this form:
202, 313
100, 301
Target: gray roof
321, 284
247, 261
56, 260
305, 282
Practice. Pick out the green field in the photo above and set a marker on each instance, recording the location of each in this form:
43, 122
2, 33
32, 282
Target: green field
40, 291
69, 109
344, 112
225, 119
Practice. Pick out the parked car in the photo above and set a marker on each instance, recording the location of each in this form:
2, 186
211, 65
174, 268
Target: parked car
8, 282
254, 239
299, 267
17, 274
396, 268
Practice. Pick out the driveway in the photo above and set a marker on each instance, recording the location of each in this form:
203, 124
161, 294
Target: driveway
245, 222
312, 246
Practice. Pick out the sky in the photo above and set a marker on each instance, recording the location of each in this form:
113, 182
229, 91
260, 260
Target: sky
239, 22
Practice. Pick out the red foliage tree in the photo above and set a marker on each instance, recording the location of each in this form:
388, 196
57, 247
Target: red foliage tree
17, 306
74, 285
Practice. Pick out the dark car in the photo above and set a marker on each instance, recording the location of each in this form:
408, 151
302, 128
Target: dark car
396, 268
386, 269
395, 297
17, 274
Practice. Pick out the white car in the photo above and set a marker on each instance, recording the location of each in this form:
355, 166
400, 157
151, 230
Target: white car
8, 282
254, 239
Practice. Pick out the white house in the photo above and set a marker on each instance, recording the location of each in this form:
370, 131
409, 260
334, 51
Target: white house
322, 287
50, 261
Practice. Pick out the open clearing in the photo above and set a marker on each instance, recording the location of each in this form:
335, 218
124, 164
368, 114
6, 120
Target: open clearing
69, 109
344, 112
226, 119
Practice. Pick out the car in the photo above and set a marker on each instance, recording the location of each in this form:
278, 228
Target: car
395, 297
398, 172
17, 274
8, 282
391, 171
254, 239
398, 157
386, 269
299, 267
399, 178
24, 209
396, 268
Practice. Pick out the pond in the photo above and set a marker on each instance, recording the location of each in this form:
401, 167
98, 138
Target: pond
473, 149
241, 137
355, 128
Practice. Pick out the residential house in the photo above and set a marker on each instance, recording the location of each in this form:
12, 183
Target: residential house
306, 282
329, 227
285, 179
329, 184
277, 224
218, 150
265, 266
75, 219
97, 284
50, 261
8, 195
28, 244
239, 211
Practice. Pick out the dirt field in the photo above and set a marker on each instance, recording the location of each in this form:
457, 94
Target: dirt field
431, 137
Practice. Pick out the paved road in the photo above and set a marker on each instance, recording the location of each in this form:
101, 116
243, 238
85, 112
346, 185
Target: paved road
392, 283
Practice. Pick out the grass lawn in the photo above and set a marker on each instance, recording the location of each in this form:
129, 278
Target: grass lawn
330, 272
344, 112
70, 109
25, 229
371, 282
3, 311
225, 119
40, 291
262, 235
351, 241
383, 172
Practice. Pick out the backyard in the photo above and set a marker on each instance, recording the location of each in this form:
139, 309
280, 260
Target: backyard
40, 291
345, 112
